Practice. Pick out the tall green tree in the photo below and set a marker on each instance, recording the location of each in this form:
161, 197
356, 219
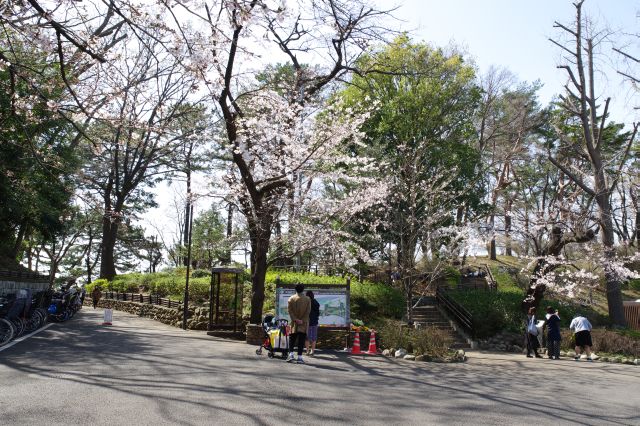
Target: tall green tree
37, 160
422, 132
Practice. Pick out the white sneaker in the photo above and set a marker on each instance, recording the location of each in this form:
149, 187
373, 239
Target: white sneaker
291, 358
300, 360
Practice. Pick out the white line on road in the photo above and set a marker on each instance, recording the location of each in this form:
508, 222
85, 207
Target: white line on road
26, 337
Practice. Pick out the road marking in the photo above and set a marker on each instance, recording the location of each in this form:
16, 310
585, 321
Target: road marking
20, 339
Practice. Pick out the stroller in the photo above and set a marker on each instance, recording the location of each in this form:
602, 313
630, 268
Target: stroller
276, 337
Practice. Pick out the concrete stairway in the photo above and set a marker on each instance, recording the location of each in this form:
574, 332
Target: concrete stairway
428, 315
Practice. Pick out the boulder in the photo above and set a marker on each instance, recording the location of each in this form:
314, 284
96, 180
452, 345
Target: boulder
563, 353
636, 361
603, 359
409, 357
386, 352
517, 349
400, 353
595, 357
616, 360
424, 358
571, 353
460, 355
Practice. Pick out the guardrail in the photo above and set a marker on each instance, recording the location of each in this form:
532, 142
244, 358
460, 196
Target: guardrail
460, 314
152, 299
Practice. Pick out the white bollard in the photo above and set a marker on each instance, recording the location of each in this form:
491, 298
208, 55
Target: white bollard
108, 316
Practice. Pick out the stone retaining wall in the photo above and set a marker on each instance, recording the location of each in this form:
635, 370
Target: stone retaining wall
198, 318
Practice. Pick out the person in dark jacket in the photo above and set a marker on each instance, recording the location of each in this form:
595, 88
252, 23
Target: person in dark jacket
552, 325
314, 317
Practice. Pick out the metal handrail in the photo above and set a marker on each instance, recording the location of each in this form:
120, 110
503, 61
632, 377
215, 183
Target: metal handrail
462, 316
493, 285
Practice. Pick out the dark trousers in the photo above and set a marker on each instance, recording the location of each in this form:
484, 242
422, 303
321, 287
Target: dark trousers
553, 348
532, 344
300, 338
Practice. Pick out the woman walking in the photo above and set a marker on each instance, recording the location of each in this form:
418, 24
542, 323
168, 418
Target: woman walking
314, 316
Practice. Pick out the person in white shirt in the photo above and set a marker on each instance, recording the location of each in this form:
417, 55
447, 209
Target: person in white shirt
582, 332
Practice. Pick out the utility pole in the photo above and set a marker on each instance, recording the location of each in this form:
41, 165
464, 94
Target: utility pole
185, 302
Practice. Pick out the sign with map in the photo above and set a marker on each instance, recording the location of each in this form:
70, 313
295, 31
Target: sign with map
334, 303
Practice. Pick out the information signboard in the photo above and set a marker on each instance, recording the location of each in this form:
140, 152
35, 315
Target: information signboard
334, 303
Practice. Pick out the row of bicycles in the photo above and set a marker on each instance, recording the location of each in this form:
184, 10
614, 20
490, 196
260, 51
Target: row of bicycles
25, 311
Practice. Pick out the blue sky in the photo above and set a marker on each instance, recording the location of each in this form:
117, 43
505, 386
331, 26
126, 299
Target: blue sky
514, 34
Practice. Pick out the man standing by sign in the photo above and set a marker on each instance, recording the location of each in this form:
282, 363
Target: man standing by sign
299, 307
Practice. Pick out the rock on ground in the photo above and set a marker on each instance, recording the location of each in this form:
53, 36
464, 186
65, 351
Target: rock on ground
400, 353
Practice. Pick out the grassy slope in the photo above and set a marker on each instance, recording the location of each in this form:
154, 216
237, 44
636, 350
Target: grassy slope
517, 280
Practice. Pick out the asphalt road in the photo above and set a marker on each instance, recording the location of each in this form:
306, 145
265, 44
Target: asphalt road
140, 372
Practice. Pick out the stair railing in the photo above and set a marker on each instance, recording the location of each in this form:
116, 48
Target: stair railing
493, 284
460, 314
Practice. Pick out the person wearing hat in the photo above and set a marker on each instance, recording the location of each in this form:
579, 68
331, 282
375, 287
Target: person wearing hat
552, 324
299, 307
582, 332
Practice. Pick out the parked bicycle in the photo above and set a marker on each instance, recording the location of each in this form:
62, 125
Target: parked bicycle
65, 303
21, 313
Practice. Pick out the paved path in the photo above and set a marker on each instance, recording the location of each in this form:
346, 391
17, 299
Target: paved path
140, 372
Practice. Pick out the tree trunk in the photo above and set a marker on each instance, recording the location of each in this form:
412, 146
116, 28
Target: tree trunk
109, 235
492, 242
227, 255
260, 235
258, 274
613, 284
507, 235
17, 247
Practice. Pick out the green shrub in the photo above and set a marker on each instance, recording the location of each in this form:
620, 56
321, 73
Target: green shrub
393, 334
200, 273
491, 311
634, 284
102, 283
430, 341
607, 341
422, 341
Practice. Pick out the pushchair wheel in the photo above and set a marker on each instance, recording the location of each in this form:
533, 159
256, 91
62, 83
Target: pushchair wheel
270, 354
259, 351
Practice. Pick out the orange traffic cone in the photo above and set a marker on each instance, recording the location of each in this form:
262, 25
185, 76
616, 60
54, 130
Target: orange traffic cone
355, 350
373, 349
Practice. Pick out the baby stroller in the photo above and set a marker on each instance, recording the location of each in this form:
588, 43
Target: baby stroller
276, 337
